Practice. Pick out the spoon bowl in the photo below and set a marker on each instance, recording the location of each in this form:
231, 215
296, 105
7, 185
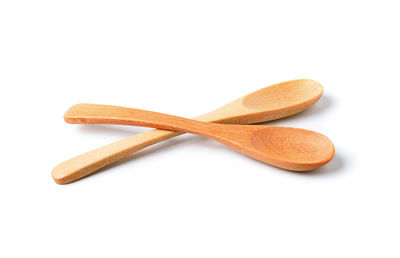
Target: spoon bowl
270, 103
292, 148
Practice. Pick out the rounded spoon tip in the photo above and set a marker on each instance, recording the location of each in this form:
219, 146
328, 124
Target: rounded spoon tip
303, 92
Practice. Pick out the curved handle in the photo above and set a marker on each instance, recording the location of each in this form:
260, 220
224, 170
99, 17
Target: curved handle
106, 114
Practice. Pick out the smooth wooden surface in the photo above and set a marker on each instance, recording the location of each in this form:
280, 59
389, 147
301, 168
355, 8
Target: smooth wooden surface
284, 147
270, 103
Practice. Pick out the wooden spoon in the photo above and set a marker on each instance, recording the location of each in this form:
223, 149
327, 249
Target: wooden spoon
272, 102
283, 147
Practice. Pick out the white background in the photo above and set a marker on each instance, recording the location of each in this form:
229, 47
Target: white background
190, 196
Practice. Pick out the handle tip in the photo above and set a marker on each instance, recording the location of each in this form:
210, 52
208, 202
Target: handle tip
74, 112
58, 176
65, 173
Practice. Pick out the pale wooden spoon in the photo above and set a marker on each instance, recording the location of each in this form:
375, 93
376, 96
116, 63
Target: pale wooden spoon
283, 147
272, 102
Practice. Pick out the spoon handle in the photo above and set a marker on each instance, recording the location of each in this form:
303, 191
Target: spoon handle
105, 114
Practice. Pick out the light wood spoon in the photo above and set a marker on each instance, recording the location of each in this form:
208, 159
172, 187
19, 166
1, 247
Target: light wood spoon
283, 147
270, 103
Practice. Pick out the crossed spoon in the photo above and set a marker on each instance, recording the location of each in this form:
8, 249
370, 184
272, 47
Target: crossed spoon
284, 147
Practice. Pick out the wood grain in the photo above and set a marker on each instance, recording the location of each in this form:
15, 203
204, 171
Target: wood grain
260, 106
